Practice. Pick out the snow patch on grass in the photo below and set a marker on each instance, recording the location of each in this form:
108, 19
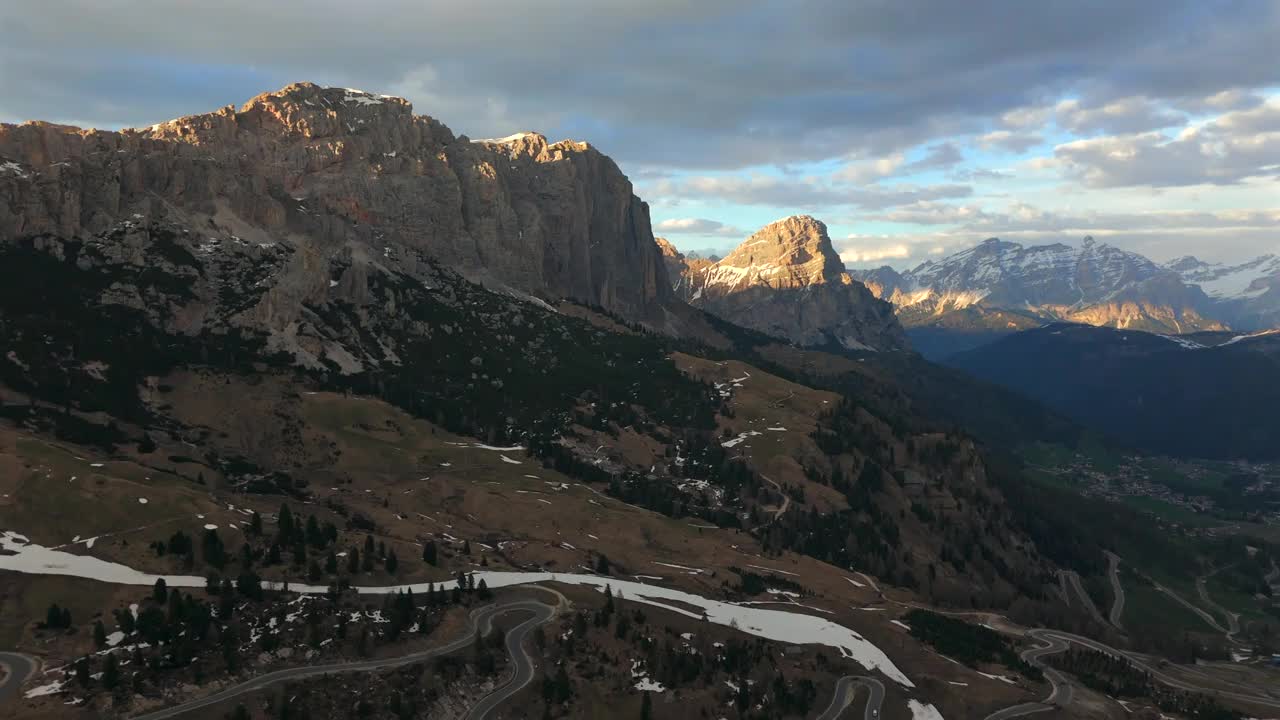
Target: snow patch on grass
923, 711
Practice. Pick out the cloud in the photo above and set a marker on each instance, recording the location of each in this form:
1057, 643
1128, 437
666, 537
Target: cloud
1228, 150
806, 193
867, 171
1020, 216
860, 253
969, 175
938, 157
696, 226
695, 85
1009, 141
1126, 115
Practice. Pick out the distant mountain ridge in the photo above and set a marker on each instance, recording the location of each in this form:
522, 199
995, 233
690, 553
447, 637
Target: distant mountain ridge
788, 281
1006, 286
1209, 394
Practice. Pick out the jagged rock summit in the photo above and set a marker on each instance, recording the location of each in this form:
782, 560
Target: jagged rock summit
344, 181
787, 280
794, 252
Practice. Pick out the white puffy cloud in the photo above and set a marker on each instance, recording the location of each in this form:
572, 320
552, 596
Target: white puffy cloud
1230, 149
1126, 115
696, 226
1008, 140
859, 249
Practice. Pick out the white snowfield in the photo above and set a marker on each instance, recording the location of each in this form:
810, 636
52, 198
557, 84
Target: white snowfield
923, 711
780, 625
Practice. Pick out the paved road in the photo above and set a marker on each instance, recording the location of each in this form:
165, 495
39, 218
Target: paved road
1059, 696
1155, 672
522, 663
1233, 619
1074, 578
1204, 614
480, 620
846, 689
786, 499
1117, 590
17, 668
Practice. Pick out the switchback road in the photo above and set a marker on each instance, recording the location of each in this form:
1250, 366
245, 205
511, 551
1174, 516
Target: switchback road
846, 689
479, 621
522, 665
17, 668
1117, 590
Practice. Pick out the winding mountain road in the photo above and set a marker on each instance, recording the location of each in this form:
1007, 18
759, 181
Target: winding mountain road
1117, 590
786, 499
479, 621
1059, 696
521, 662
1074, 579
846, 689
1205, 615
1233, 619
1141, 663
17, 668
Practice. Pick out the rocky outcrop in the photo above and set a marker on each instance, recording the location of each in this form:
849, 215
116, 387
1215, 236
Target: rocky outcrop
684, 271
788, 281
345, 179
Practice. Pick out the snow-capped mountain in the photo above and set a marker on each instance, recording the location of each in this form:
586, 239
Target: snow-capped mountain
1246, 295
1001, 285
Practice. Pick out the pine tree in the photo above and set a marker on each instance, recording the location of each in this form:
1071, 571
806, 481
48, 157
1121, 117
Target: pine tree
429, 552
53, 617
99, 634
110, 672
646, 707
563, 691
313, 532
124, 621
255, 528
82, 671
160, 593
284, 522
392, 562
353, 562
331, 564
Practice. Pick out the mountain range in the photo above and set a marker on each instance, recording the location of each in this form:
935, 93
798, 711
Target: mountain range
318, 190
475, 352
1210, 394
191, 296
998, 287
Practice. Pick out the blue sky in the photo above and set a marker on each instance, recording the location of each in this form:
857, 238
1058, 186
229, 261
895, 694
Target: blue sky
912, 127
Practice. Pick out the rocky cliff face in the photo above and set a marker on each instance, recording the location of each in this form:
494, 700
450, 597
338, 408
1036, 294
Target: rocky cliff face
788, 281
341, 182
